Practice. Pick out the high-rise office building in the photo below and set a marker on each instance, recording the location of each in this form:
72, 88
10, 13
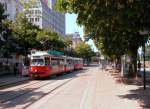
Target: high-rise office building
43, 15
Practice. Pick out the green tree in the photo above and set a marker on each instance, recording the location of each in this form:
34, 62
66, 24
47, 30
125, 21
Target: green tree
68, 40
10, 44
84, 50
25, 33
49, 40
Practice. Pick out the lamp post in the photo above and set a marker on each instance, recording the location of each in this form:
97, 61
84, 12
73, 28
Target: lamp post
143, 33
144, 76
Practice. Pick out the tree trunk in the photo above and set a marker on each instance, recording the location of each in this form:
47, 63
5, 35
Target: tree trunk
133, 65
118, 64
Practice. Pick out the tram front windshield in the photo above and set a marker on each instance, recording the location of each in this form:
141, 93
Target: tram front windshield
37, 62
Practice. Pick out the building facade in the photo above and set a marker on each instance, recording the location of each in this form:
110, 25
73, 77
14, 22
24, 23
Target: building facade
43, 15
12, 7
76, 39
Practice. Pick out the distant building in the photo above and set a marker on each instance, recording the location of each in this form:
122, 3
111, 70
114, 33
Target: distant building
76, 39
43, 15
11, 7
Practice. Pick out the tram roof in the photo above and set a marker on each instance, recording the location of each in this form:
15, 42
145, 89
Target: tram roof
40, 53
48, 53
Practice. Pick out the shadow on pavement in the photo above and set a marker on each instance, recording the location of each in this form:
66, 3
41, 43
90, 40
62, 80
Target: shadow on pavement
23, 100
126, 80
140, 95
10, 81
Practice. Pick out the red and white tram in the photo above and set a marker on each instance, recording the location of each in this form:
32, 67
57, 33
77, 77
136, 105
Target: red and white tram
44, 64
78, 63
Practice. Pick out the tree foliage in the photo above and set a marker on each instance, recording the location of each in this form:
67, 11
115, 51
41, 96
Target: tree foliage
68, 40
24, 32
84, 50
50, 40
114, 25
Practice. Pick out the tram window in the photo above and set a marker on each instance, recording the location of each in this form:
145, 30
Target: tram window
69, 61
37, 62
54, 61
47, 61
61, 61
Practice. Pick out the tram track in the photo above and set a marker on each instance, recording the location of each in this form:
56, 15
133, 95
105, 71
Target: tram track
49, 92
60, 84
25, 92
22, 90
4, 86
5, 91
18, 88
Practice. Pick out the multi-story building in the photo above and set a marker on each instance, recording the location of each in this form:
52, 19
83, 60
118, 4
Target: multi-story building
76, 39
12, 7
43, 15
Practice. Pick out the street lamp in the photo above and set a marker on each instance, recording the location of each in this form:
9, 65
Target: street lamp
144, 76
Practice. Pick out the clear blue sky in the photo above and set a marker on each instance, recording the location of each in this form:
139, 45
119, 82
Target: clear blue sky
72, 26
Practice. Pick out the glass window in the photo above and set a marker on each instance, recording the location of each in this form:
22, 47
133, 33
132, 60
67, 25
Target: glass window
31, 19
37, 19
47, 61
37, 62
53, 61
56, 61
39, 12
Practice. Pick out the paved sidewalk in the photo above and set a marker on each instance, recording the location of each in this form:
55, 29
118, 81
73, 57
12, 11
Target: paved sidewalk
113, 95
7, 80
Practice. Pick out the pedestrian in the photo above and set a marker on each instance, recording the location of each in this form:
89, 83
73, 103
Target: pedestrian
103, 65
16, 70
139, 66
